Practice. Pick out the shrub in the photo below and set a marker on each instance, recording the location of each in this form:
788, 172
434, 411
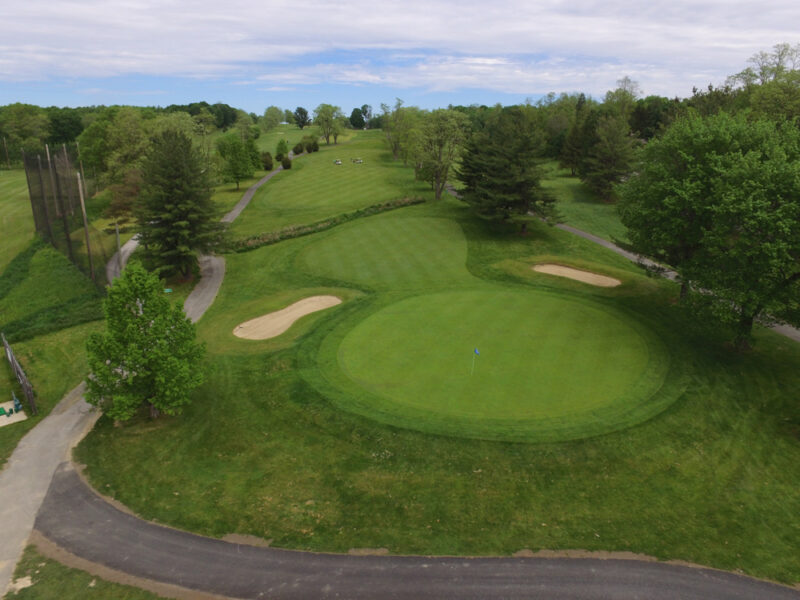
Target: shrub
298, 149
315, 146
286, 162
279, 156
266, 161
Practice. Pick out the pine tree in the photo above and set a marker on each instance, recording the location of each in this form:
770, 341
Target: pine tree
499, 170
176, 217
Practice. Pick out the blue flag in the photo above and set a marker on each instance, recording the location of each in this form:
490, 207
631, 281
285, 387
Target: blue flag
476, 352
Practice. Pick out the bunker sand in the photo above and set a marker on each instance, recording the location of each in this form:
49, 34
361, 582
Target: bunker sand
577, 274
275, 323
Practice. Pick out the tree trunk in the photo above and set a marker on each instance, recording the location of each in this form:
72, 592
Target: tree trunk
684, 290
744, 332
524, 230
154, 412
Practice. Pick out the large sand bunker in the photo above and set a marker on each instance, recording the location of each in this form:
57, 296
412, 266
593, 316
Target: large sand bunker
275, 323
578, 275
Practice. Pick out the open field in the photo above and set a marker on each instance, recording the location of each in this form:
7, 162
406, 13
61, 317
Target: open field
16, 219
280, 444
295, 198
579, 207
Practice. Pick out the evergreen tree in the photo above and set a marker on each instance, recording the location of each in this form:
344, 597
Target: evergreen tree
176, 217
499, 171
610, 158
147, 355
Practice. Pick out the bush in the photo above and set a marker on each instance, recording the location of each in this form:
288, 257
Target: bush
279, 156
266, 161
298, 149
286, 162
315, 146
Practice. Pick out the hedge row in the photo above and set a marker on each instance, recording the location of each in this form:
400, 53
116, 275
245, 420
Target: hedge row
295, 231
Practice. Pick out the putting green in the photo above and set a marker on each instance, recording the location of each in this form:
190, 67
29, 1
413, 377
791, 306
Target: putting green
549, 368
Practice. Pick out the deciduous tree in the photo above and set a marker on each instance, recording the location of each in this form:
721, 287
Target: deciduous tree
718, 198
437, 146
301, 118
147, 355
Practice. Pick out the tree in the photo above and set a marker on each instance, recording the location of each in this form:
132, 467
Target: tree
719, 198
282, 149
147, 355
272, 117
237, 157
288, 116
65, 125
439, 141
176, 217
366, 112
327, 118
357, 119
301, 118
499, 170
610, 157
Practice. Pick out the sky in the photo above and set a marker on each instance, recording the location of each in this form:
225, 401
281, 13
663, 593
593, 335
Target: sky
430, 53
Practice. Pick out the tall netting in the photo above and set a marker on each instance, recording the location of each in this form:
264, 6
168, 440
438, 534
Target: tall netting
56, 185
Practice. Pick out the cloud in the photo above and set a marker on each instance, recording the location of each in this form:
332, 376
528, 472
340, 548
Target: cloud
513, 45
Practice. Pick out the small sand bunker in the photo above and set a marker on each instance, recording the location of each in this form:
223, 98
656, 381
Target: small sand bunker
578, 275
275, 323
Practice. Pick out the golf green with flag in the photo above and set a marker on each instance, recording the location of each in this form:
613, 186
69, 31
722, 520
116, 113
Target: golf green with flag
495, 363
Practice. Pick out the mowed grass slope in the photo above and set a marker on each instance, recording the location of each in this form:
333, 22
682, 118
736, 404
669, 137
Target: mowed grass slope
16, 218
579, 207
316, 188
266, 450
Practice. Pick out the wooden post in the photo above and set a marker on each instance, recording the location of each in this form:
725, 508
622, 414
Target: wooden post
44, 203
60, 206
119, 249
80, 163
86, 228
27, 388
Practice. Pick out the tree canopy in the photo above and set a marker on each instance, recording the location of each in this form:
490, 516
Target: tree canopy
437, 146
175, 214
147, 354
301, 118
718, 198
328, 118
498, 167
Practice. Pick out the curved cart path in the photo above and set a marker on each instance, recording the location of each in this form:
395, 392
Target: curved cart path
75, 518
25, 478
79, 521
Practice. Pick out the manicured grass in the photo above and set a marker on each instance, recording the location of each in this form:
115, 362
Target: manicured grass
578, 206
50, 579
549, 368
265, 449
316, 188
16, 218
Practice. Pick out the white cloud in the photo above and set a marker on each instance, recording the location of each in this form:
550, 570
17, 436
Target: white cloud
514, 45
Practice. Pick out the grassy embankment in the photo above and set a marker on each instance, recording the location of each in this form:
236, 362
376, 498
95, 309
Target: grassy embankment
277, 445
50, 579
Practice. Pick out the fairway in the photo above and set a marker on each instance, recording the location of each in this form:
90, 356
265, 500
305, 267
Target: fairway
547, 368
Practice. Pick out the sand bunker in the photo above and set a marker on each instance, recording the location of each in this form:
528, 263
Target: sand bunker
275, 323
578, 275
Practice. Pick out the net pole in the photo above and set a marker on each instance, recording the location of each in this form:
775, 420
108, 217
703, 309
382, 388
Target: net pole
86, 227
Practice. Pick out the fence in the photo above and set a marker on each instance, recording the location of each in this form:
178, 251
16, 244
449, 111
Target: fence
58, 193
27, 389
